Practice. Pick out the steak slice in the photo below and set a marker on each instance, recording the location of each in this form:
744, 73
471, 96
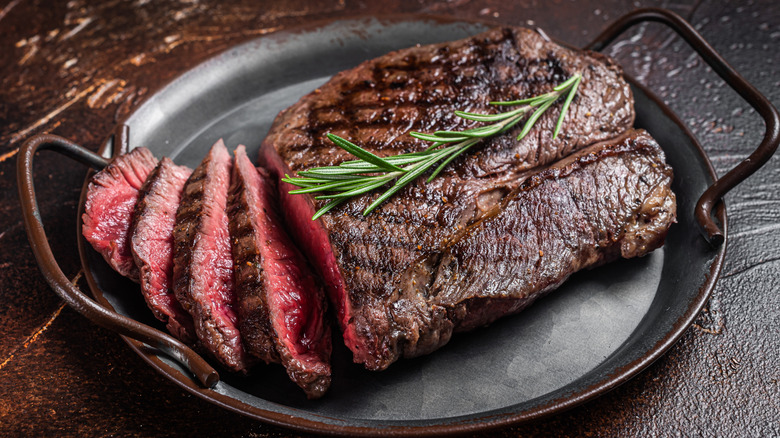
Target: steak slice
376, 104
203, 266
108, 211
281, 308
152, 245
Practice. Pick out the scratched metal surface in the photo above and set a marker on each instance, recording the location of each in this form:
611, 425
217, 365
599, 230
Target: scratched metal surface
73, 68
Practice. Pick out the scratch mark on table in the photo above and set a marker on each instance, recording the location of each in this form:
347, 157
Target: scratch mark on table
83, 22
31, 51
45, 119
6, 156
95, 100
695, 6
33, 337
171, 43
8, 8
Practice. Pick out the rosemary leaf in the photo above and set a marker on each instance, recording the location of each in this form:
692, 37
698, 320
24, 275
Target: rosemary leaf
397, 160
567, 83
436, 138
483, 117
360, 189
333, 186
401, 183
450, 158
534, 117
362, 153
566, 104
328, 207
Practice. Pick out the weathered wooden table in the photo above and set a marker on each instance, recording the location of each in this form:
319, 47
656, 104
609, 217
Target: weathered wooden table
74, 68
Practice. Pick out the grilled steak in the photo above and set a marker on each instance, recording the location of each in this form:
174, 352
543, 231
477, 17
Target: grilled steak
152, 245
281, 308
203, 266
377, 103
108, 210
608, 201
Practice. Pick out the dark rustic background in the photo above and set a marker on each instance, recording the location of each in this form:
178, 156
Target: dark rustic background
75, 67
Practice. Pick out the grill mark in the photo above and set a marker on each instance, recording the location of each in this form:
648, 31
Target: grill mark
254, 325
348, 107
188, 223
316, 126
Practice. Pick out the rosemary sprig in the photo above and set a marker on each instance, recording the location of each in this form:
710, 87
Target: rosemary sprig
369, 172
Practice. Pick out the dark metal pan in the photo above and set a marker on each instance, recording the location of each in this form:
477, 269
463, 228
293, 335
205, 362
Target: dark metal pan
600, 329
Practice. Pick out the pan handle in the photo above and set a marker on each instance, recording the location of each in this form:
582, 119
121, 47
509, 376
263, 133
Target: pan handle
69, 292
765, 150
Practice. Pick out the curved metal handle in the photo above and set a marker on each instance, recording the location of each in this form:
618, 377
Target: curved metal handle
68, 291
765, 150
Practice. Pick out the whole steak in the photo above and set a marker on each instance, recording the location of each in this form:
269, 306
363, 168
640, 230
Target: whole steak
375, 105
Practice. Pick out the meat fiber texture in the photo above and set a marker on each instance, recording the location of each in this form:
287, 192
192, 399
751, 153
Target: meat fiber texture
364, 259
608, 201
281, 307
152, 245
203, 265
111, 197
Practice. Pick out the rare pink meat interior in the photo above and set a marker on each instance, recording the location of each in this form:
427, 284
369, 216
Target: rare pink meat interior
151, 243
281, 306
203, 264
108, 212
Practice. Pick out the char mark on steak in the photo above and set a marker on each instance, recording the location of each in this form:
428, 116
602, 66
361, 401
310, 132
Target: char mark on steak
203, 266
376, 104
108, 211
152, 245
281, 308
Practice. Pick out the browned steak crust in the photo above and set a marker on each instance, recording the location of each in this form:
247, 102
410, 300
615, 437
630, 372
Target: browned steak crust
608, 201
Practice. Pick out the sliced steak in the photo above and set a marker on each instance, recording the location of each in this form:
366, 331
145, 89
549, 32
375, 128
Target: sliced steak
108, 211
203, 266
152, 245
377, 103
281, 308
